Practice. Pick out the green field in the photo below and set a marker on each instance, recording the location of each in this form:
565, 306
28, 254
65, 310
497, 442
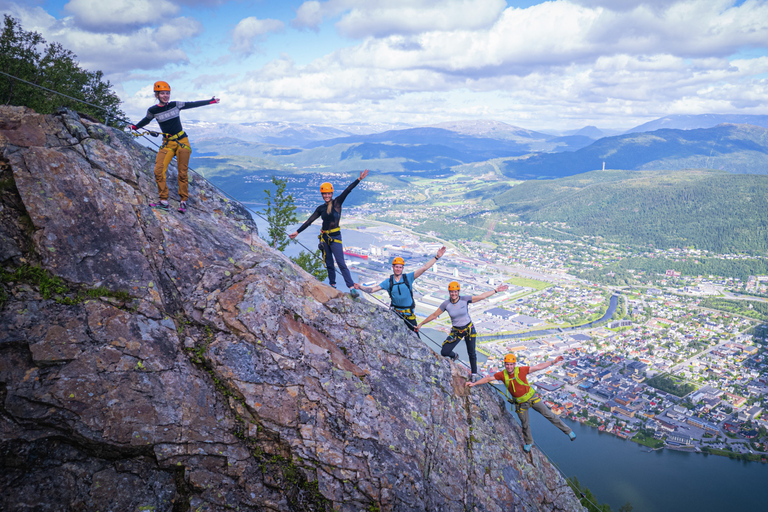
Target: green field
528, 283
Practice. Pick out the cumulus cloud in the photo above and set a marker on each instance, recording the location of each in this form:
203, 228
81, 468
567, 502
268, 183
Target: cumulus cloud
250, 30
557, 34
564, 62
147, 48
118, 16
552, 64
311, 14
379, 18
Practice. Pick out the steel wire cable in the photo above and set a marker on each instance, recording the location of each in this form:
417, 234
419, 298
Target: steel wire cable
310, 251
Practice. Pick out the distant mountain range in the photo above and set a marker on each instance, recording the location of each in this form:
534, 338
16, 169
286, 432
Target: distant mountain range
520, 153
733, 148
692, 122
279, 132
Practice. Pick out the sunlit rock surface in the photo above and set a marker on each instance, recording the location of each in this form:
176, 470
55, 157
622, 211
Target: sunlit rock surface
174, 362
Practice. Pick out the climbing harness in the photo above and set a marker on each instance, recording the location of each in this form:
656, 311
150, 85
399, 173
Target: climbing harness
177, 136
327, 238
459, 333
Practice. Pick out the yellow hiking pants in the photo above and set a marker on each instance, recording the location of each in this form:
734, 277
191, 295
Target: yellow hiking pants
179, 148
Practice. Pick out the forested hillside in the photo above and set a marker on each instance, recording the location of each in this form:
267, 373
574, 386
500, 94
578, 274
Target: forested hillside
709, 210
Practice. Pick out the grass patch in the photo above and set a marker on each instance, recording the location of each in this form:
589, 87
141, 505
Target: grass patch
53, 287
750, 457
650, 442
671, 384
528, 283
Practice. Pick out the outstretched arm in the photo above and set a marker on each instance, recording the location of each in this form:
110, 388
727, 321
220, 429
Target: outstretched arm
202, 103
484, 380
431, 317
368, 289
428, 264
487, 294
144, 122
341, 197
545, 364
312, 218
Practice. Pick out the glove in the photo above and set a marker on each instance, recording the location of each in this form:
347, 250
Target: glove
133, 127
214, 100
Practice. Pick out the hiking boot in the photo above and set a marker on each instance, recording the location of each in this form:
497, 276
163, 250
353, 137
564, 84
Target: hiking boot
572, 435
527, 448
474, 378
354, 293
162, 205
455, 356
183, 207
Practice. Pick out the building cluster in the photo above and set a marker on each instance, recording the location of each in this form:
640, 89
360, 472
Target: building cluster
664, 368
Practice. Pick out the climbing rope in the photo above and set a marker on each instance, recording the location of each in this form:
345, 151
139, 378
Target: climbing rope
310, 251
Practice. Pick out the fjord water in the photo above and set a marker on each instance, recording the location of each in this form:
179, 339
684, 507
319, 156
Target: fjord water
619, 471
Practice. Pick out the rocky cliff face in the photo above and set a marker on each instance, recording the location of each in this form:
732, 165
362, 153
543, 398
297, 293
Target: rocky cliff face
159, 361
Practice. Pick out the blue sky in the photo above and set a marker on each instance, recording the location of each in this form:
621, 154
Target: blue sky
554, 65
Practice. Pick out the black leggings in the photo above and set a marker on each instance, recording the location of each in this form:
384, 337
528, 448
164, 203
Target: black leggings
468, 333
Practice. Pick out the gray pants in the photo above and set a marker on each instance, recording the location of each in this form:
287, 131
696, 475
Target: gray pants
541, 408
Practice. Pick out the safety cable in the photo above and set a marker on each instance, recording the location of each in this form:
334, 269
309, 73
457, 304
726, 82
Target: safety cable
60, 94
310, 251
500, 392
551, 461
402, 317
156, 134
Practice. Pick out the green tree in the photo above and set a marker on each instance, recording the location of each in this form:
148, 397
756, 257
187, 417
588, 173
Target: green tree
27, 56
312, 263
281, 213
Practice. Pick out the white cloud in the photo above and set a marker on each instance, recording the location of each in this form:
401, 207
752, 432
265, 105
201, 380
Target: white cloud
557, 34
118, 15
144, 48
311, 14
628, 5
576, 62
251, 29
380, 18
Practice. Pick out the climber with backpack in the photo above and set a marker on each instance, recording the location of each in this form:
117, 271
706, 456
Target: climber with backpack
330, 233
461, 324
523, 396
398, 285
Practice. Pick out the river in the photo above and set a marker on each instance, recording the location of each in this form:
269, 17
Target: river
619, 471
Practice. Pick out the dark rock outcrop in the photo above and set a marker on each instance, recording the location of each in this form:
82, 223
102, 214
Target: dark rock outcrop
159, 361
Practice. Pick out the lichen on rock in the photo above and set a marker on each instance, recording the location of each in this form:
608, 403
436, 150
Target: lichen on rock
179, 363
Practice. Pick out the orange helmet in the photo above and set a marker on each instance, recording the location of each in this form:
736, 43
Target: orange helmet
453, 285
326, 187
162, 86
510, 358
398, 261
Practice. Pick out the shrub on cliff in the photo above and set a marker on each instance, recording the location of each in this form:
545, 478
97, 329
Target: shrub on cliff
27, 56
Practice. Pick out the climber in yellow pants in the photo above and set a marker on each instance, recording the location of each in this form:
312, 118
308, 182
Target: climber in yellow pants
181, 150
175, 142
